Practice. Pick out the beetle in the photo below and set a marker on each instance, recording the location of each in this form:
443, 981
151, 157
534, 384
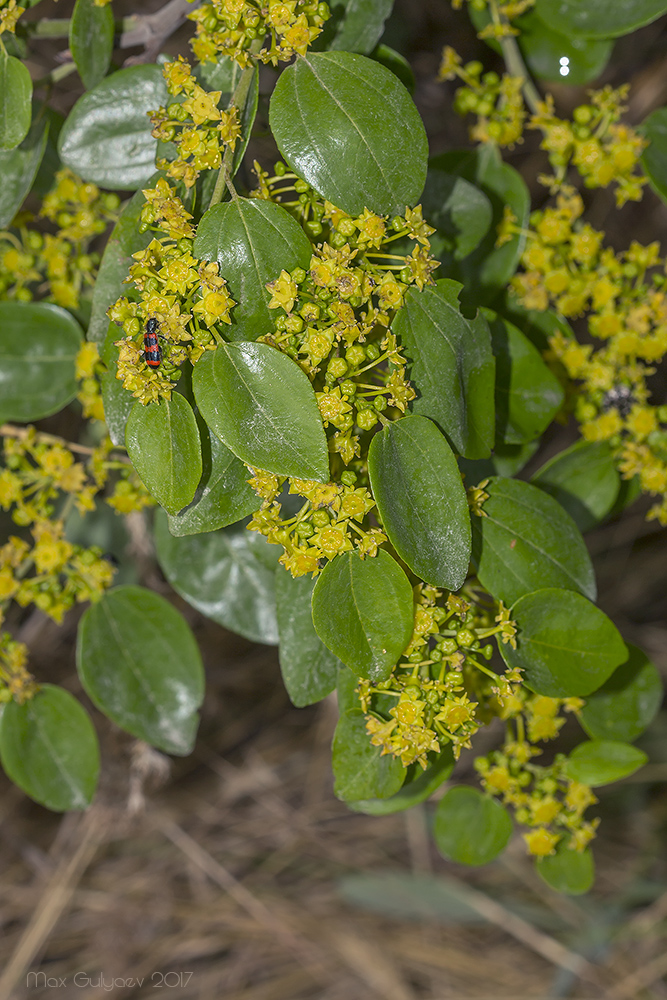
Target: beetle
152, 349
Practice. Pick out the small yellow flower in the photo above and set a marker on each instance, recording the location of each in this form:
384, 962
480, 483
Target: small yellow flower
541, 842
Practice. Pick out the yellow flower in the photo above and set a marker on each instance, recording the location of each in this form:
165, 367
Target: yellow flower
642, 421
283, 292
541, 842
203, 106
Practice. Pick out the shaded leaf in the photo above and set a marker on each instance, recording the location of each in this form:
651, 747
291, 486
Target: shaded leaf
599, 762
358, 24
626, 703
597, 18
654, 157
309, 669
117, 400
460, 212
469, 827
15, 100
19, 166
419, 786
396, 63
360, 770
91, 40
568, 871
583, 479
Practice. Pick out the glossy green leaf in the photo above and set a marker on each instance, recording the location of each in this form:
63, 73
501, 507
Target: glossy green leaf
528, 394
48, 747
599, 762
452, 366
569, 871
356, 25
419, 786
162, 439
565, 645
15, 100
487, 270
545, 51
421, 499
227, 575
223, 495
526, 541
262, 406
309, 669
253, 241
654, 157
117, 401
139, 664
347, 683
626, 703
396, 63
360, 770
598, 18
584, 480
349, 127
19, 166
107, 136
363, 612
38, 347
506, 461
469, 827
460, 212
91, 40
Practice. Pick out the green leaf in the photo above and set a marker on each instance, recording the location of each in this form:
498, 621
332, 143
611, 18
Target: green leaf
584, 480
487, 270
117, 401
15, 98
626, 703
599, 762
654, 157
460, 212
38, 347
452, 366
19, 166
48, 747
526, 541
358, 24
91, 40
544, 49
506, 461
253, 241
415, 790
223, 495
421, 499
565, 645
363, 612
162, 440
262, 406
309, 669
346, 689
227, 575
528, 394
567, 871
350, 129
107, 136
360, 770
396, 63
469, 827
598, 18
139, 664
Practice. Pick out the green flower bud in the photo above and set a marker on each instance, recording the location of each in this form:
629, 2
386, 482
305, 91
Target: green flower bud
448, 646
348, 387
465, 637
337, 367
367, 419
348, 478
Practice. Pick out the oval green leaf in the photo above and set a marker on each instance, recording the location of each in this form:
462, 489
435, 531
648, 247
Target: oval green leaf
309, 669
599, 762
421, 499
253, 241
545, 49
584, 480
227, 575
139, 664
117, 401
572, 872
15, 100
223, 495
363, 612
528, 394
460, 212
48, 747
654, 157
452, 366
598, 18
107, 137
262, 406
19, 166
38, 347
349, 127
565, 645
358, 27
526, 541
626, 703
91, 40
419, 786
469, 827
162, 439
360, 769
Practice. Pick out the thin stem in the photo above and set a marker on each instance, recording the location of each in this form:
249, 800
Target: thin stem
516, 66
49, 27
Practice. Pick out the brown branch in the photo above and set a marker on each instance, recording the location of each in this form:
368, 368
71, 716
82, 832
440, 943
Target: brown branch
151, 30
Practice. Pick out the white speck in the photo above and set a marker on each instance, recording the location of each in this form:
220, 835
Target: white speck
564, 65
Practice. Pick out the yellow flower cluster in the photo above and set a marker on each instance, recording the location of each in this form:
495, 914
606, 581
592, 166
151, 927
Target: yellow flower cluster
30, 257
188, 298
15, 681
624, 297
89, 370
229, 27
497, 101
543, 798
443, 691
10, 12
197, 127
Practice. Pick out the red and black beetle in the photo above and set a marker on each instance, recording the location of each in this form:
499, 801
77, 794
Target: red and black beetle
152, 349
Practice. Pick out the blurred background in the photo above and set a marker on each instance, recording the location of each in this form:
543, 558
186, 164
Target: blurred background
235, 873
